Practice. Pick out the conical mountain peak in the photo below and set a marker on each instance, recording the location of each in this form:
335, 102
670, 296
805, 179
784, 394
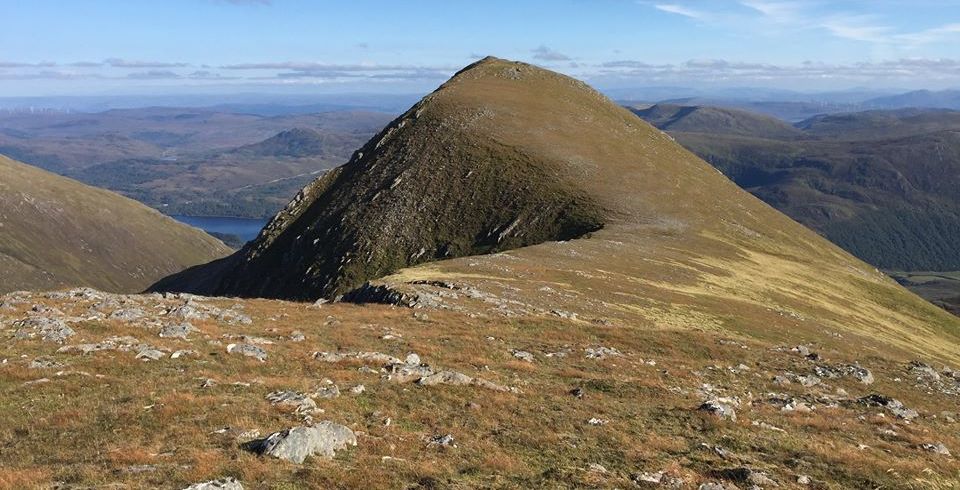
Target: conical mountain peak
584, 195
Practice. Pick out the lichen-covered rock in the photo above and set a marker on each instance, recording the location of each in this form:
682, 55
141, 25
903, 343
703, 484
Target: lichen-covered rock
893, 405
323, 439
248, 350
49, 329
300, 401
445, 378
228, 483
719, 409
179, 330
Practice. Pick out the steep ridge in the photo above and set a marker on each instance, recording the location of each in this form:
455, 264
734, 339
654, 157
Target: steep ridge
56, 232
671, 244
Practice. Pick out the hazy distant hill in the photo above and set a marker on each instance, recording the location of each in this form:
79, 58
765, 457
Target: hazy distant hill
944, 99
716, 120
56, 232
191, 161
884, 185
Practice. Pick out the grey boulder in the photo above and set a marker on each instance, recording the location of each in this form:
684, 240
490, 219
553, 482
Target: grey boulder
323, 439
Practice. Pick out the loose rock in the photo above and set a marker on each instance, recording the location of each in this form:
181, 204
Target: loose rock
323, 439
248, 350
228, 483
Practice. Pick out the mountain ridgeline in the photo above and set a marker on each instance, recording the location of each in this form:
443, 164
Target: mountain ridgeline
578, 207
430, 186
56, 232
884, 185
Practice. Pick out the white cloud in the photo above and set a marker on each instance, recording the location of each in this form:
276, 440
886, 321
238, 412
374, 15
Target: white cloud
678, 9
915, 71
543, 53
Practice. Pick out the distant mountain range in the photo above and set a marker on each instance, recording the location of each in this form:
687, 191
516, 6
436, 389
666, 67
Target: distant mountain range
191, 161
797, 106
884, 185
56, 232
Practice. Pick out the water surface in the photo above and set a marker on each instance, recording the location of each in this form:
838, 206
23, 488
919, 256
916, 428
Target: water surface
245, 228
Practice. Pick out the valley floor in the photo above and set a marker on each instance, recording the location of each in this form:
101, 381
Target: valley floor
147, 391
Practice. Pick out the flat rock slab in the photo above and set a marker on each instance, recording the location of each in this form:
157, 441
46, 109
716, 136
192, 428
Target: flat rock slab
323, 439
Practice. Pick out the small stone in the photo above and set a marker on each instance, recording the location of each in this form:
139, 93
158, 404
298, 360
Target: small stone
183, 352
523, 355
128, 314
642, 478
297, 336
712, 486
327, 392
577, 392
445, 377
228, 483
150, 354
299, 401
937, 448
356, 390
442, 441
45, 364
597, 468
412, 360
180, 330
719, 409
248, 350
596, 422
601, 352
924, 372
804, 480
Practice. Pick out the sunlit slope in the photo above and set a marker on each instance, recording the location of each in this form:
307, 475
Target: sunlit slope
57, 232
676, 244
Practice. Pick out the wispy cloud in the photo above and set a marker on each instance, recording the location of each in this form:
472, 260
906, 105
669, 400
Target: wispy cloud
683, 10
154, 75
122, 63
544, 53
17, 64
780, 12
638, 72
850, 21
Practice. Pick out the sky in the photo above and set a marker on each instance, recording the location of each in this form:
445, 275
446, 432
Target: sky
99, 47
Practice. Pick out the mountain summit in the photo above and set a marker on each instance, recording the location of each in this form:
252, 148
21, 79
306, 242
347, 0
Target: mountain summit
600, 215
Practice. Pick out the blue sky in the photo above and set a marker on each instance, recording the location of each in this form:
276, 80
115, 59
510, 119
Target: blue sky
328, 46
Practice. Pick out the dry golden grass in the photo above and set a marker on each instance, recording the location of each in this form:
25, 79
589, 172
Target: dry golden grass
100, 428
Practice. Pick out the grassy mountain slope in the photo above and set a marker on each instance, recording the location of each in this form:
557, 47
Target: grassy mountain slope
581, 361
56, 232
882, 185
678, 240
